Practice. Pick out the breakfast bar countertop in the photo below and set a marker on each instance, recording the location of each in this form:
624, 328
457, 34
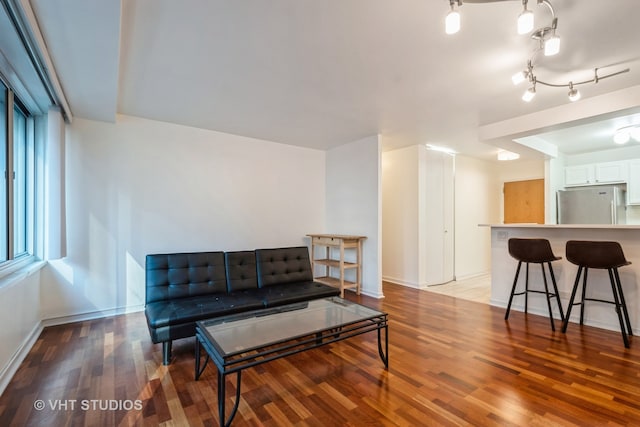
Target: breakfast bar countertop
590, 226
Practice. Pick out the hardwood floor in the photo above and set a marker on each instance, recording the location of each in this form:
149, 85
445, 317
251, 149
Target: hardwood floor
452, 362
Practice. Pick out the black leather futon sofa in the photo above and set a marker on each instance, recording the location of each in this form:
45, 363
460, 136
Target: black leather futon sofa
183, 288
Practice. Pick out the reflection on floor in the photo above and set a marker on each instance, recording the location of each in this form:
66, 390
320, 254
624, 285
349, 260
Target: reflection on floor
476, 289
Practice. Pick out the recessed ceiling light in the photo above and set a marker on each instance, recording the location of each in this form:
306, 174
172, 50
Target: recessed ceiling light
447, 150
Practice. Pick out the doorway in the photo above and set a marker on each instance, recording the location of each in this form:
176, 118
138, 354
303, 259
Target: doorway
524, 201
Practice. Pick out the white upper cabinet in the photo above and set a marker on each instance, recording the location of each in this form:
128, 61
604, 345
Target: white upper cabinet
579, 175
596, 173
611, 172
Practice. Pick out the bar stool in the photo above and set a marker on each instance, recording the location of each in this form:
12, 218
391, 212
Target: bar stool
536, 251
605, 256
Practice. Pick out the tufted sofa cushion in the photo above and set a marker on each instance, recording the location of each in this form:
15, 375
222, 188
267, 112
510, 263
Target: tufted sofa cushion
289, 293
172, 276
186, 310
241, 270
283, 265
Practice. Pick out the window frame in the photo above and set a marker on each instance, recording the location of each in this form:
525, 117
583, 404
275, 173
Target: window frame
16, 261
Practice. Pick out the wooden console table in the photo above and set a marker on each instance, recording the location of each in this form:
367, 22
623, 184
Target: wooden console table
341, 243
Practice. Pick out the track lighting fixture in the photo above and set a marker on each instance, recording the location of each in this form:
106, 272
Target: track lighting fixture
574, 94
549, 43
524, 22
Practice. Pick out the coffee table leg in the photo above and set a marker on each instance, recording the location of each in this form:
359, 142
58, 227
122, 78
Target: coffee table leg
384, 355
221, 395
197, 355
197, 351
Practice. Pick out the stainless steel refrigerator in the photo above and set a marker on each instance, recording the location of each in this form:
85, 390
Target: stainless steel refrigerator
592, 205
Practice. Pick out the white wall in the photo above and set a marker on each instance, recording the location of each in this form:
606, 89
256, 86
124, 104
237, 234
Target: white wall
20, 298
353, 203
20, 320
139, 186
400, 216
612, 155
476, 202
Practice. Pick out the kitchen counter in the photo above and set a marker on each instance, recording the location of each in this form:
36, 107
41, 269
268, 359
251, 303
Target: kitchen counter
503, 268
581, 226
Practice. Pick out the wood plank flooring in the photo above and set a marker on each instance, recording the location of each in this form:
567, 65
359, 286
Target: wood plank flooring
453, 362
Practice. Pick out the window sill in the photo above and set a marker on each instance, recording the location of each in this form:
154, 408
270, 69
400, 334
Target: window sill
19, 271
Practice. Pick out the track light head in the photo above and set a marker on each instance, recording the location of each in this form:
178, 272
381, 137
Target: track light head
525, 20
452, 21
519, 77
529, 94
552, 45
574, 94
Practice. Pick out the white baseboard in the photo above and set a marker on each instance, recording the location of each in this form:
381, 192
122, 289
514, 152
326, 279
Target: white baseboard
98, 314
11, 368
401, 282
369, 294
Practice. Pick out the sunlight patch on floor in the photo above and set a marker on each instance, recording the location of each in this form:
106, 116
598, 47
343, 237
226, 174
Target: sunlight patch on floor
476, 289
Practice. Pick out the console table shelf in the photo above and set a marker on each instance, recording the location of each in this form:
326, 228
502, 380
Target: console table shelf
337, 262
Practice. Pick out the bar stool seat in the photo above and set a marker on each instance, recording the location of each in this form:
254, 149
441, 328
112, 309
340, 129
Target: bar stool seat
604, 256
534, 251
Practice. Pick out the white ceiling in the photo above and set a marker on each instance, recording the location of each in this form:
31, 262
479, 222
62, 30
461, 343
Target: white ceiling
323, 73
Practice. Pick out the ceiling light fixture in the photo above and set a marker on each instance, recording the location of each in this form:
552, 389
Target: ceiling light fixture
552, 45
548, 40
574, 94
525, 20
504, 155
529, 94
452, 22
446, 150
519, 77
624, 134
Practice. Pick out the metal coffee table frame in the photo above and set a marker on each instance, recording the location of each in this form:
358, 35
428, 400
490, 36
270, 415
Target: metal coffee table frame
235, 361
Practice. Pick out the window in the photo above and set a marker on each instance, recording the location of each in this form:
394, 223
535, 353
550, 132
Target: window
20, 193
17, 192
4, 92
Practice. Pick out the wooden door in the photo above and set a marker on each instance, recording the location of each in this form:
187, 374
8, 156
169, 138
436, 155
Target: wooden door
524, 201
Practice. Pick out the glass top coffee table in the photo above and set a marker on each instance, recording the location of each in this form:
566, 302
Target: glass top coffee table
249, 339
